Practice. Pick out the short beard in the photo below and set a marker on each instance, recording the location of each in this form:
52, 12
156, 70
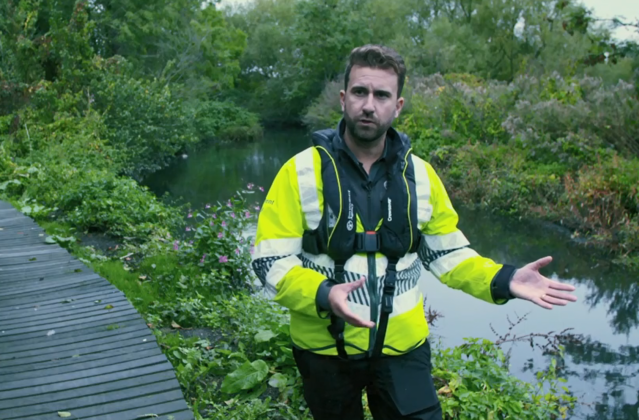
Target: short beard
366, 136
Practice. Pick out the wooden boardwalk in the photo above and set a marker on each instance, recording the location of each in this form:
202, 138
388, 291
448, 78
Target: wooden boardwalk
61, 350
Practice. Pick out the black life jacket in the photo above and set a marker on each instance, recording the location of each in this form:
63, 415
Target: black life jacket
336, 233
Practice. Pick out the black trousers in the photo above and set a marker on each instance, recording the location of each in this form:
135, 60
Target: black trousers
398, 387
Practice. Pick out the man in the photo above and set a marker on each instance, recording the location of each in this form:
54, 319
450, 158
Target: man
341, 239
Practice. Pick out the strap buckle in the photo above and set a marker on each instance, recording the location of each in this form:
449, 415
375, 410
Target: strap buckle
389, 292
368, 241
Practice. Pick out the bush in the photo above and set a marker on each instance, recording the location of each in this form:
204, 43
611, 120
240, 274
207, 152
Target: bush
226, 121
144, 121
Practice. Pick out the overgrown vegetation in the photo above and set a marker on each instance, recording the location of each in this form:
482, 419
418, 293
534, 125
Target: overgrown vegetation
94, 95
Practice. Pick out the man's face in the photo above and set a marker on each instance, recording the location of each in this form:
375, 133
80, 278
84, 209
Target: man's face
370, 103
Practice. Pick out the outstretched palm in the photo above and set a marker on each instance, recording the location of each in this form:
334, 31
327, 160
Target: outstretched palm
529, 284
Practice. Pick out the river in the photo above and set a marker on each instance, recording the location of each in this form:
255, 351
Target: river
602, 368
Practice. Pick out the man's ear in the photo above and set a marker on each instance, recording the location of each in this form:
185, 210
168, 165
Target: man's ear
342, 96
399, 107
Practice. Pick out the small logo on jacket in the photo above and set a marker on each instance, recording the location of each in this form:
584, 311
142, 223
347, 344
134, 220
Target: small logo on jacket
390, 211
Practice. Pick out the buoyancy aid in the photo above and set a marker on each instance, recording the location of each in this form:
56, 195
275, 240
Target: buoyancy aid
336, 236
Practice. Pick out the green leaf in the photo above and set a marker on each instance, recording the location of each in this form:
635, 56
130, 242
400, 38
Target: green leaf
64, 414
278, 380
245, 377
264, 335
50, 240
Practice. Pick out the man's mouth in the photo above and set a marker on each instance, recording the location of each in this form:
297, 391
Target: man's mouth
367, 121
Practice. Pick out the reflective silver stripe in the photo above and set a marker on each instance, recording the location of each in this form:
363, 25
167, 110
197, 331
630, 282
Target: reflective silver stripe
451, 240
359, 264
406, 301
308, 188
280, 268
422, 188
444, 264
277, 247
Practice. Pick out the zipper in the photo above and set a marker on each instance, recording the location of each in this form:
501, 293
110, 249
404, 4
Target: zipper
372, 285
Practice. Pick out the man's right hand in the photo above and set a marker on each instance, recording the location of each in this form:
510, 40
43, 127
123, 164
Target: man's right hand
337, 298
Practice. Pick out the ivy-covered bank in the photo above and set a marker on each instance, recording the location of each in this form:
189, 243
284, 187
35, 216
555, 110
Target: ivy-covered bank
565, 150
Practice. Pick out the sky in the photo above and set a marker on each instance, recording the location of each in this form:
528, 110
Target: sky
605, 9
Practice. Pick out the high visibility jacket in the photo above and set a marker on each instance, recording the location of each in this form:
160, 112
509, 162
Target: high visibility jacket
295, 204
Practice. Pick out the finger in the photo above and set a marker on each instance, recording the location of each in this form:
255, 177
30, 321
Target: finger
540, 302
351, 318
356, 321
540, 263
561, 286
553, 300
562, 296
355, 285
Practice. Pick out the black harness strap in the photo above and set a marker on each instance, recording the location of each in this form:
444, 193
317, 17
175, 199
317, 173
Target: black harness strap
387, 306
337, 326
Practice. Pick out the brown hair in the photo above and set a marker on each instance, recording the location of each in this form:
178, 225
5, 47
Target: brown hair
377, 56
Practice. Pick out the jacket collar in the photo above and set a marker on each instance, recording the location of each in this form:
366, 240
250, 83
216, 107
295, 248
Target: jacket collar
395, 147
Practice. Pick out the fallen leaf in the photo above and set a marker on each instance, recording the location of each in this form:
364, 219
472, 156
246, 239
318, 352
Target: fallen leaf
33, 259
150, 325
64, 414
175, 325
98, 301
51, 333
146, 416
108, 307
68, 300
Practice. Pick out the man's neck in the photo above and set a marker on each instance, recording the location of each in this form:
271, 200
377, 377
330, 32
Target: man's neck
365, 152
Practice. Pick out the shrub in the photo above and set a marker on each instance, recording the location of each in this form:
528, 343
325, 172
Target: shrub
226, 122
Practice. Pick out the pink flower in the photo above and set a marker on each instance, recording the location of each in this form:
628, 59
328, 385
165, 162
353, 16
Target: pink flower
176, 246
211, 223
203, 256
261, 189
189, 216
208, 206
223, 223
257, 208
224, 259
220, 235
247, 214
214, 216
250, 186
237, 251
252, 249
229, 204
233, 215
188, 228
190, 242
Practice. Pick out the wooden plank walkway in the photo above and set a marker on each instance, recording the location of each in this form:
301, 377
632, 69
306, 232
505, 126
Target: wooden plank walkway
59, 350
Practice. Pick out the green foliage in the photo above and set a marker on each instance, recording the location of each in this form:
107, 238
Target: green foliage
296, 48
544, 147
474, 381
226, 122
143, 119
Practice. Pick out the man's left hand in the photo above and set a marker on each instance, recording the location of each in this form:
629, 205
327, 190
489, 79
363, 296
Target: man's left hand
529, 284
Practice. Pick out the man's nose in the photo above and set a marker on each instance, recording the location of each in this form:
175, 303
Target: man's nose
369, 105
